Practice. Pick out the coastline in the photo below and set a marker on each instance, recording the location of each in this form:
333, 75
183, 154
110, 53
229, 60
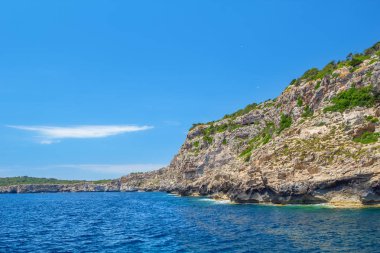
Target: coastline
115, 186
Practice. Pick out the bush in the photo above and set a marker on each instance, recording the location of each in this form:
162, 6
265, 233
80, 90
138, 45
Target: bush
261, 139
327, 70
314, 73
299, 102
317, 85
367, 137
212, 129
195, 125
246, 152
241, 112
196, 144
295, 82
221, 128
372, 119
310, 74
374, 49
285, 122
208, 139
350, 98
357, 59
308, 112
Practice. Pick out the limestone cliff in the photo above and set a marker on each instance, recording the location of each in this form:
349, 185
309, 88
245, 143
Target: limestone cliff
316, 143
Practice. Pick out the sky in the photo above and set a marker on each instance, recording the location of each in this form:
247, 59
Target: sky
98, 89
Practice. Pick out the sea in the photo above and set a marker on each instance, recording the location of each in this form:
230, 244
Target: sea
160, 222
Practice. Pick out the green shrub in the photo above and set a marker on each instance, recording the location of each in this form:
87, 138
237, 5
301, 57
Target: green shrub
372, 119
373, 61
246, 151
367, 137
266, 138
295, 82
241, 112
374, 49
208, 139
233, 126
212, 129
195, 125
310, 74
224, 142
342, 64
308, 112
247, 158
355, 62
299, 102
317, 85
350, 98
221, 128
196, 144
285, 122
261, 139
314, 73
357, 59
327, 70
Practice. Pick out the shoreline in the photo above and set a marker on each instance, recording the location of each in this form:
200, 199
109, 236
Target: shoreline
334, 205
220, 198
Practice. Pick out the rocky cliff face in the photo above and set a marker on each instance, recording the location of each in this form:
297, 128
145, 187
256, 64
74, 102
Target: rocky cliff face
316, 143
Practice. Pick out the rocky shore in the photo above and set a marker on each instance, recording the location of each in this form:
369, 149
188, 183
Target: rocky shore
318, 142
49, 188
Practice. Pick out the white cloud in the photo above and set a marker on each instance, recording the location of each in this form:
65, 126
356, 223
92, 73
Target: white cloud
52, 134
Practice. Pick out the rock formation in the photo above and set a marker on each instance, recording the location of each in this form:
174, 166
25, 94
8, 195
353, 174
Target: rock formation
77, 187
316, 143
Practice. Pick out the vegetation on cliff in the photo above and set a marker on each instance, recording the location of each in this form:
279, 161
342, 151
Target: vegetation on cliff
351, 98
348, 99
367, 138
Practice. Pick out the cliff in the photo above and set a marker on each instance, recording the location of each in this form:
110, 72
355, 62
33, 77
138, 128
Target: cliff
316, 143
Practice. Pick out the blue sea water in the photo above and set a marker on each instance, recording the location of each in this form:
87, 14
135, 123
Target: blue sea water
158, 222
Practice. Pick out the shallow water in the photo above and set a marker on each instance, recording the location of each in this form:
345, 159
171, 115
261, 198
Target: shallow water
158, 222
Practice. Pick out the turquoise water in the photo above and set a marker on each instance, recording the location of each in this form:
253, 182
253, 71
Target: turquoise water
157, 222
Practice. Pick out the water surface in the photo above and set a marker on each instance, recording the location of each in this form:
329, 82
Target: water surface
157, 222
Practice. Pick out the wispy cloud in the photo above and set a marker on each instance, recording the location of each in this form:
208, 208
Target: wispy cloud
53, 134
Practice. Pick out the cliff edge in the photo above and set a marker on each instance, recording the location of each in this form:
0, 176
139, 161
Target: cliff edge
318, 142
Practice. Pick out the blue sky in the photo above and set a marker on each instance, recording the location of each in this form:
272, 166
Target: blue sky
96, 89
